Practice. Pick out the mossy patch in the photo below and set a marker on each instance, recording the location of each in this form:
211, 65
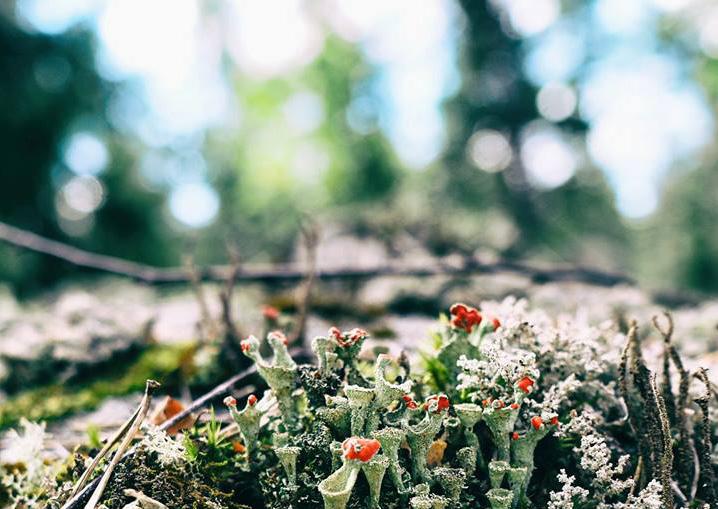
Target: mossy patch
45, 403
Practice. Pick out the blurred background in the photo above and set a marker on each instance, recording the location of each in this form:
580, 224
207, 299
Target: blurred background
545, 131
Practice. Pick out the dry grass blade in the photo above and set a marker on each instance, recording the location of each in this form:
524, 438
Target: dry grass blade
105, 450
707, 477
124, 445
126, 433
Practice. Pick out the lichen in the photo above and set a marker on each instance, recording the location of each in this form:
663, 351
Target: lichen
534, 412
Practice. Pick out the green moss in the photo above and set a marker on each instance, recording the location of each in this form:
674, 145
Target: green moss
159, 362
175, 485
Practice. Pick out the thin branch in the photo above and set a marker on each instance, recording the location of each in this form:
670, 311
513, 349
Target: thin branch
290, 272
687, 464
206, 326
666, 458
708, 486
310, 235
226, 296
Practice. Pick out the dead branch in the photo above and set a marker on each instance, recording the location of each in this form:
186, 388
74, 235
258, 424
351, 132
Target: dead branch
226, 296
290, 272
206, 325
310, 235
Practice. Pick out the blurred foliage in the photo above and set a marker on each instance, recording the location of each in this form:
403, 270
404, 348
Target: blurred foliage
262, 195
495, 94
680, 245
269, 174
49, 89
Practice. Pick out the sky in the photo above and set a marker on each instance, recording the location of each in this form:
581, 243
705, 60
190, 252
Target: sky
644, 111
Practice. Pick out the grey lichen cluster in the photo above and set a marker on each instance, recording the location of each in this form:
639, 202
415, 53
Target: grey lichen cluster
374, 418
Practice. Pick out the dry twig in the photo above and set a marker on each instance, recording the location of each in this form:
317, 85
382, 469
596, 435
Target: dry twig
310, 235
173, 275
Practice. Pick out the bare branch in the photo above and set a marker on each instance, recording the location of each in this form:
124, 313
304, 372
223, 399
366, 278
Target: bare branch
290, 272
310, 235
226, 296
206, 325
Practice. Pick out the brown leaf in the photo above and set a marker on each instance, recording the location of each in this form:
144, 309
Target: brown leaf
168, 408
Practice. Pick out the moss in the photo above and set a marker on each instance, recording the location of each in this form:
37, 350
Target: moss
175, 485
316, 386
161, 362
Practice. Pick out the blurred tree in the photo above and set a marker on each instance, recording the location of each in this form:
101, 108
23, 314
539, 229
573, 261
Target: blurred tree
679, 246
495, 95
49, 87
278, 165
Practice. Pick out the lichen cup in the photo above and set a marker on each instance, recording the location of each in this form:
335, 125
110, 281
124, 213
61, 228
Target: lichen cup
288, 457
359, 402
337, 488
390, 440
374, 471
497, 472
500, 498
452, 481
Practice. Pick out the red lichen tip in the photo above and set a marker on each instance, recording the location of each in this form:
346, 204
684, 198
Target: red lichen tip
464, 317
252, 400
335, 333
278, 335
497, 403
514, 436
442, 402
409, 402
536, 422
245, 345
526, 384
348, 338
230, 401
514, 406
362, 449
358, 334
496, 323
270, 313
554, 421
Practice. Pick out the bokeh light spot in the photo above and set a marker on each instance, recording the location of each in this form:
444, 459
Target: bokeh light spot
304, 112
531, 17
80, 197
556, 101
489, 150
709, 34
194, 204
549, 160
86, 154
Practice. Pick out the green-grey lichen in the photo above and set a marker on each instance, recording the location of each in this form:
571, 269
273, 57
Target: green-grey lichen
280, 374
420, 436
390, 440
248, 419
288, 457
497, 471
374, 470
452, 481
347, 435
500, 498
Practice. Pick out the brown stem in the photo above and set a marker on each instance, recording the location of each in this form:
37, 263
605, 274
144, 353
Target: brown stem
310, 234
173, 275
